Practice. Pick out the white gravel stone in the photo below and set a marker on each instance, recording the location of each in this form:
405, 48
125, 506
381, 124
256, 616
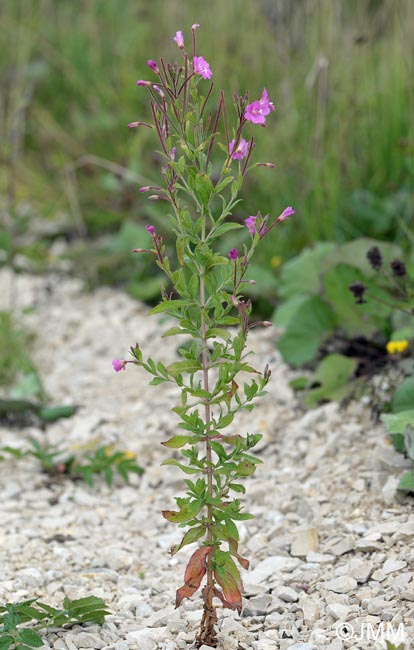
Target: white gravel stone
341, 585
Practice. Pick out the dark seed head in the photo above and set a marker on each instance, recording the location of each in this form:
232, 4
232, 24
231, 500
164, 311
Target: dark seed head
398, 268
358, 289
375, 258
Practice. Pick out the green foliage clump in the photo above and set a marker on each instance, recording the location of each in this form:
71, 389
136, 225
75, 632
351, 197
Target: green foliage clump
13, 616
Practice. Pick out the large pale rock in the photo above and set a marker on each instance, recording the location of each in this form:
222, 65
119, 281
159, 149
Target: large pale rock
305, 540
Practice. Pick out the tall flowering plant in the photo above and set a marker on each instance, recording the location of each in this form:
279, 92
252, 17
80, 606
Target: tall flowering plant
210, 310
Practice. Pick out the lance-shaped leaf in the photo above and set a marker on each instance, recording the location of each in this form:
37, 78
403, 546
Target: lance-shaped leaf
179, 441
187, 512
191, 536
194, 573
233, 546
228, 577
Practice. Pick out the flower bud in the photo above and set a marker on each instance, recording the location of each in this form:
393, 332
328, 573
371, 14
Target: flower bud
151, 64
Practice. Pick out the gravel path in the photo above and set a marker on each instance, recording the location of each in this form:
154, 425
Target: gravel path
331, 548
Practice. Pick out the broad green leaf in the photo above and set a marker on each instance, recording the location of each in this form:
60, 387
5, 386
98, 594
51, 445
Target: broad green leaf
302, 273
398, 441
403, 398
354, 253
313, 324
406, 483
287, 311
176, 442
355, 319
398, 422
333, 376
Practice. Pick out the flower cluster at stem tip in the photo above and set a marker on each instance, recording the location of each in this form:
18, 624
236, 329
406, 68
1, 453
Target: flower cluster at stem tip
238, 148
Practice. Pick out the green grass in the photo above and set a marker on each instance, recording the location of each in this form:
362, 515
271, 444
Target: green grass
339, 71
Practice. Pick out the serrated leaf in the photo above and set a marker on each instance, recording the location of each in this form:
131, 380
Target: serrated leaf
178, 367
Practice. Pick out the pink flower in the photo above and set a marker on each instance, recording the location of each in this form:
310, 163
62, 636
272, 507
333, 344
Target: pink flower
287, 212
141, 82
241, 150
202, 67
179, 39
251, 225
194, 27
118, 365
233, 254
151, 230
257, 111
151, 64
131, 125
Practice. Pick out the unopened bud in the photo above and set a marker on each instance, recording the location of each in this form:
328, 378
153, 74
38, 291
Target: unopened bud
151, 64
141, 82
266, 164
267, 323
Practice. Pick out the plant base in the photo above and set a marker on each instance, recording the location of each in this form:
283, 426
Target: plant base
207, 634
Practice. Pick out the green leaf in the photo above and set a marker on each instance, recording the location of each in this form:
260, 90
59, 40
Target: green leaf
6, 640
403, 398
302, 274
169, 305
355, 319
287, 311
313, 324
225, 421
299, 383
176, 442
204, 188
398, 441
53, 413
187, 512
191, 536
333, 375
406, 483
398, 422
354, 253
191, 366
30, 638
184, 468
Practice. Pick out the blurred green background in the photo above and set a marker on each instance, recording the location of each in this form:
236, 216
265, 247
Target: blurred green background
340, 73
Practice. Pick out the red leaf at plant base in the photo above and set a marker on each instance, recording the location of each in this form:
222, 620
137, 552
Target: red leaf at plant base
194, 573
228, 577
